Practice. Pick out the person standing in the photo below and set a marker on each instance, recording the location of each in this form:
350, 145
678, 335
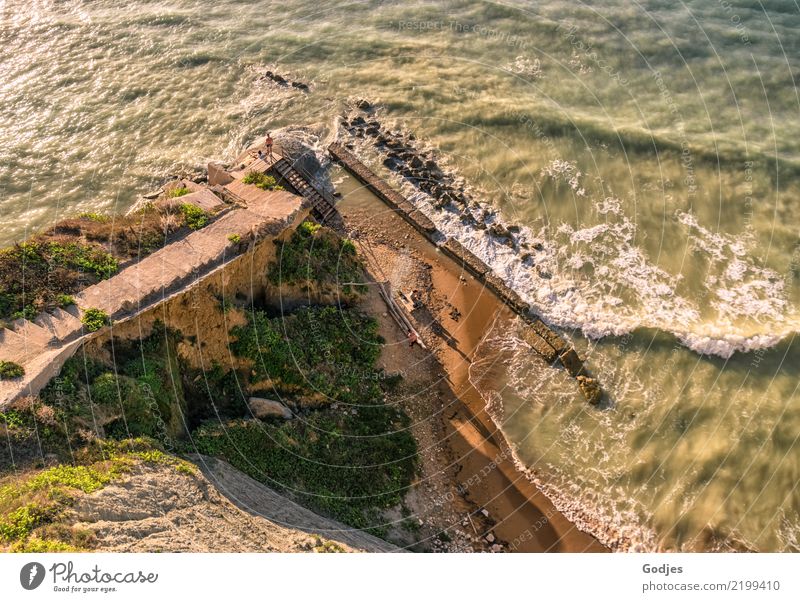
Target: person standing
268, 144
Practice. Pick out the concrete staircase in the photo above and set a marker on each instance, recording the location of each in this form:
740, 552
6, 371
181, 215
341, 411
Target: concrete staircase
322, 205
42, 345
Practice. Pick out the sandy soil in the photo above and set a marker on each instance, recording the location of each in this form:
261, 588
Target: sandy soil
470, 495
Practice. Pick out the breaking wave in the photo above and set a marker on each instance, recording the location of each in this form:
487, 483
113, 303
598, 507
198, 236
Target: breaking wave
596, 279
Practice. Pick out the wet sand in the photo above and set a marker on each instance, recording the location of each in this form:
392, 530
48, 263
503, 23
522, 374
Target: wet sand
478, 458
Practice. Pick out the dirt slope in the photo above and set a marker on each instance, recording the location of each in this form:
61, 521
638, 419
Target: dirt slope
218, 509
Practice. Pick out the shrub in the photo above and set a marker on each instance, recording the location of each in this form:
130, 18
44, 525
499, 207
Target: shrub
261, 180
65, 300
9, 370
28, 312
94, 319
195, 217
234, 238
174, 193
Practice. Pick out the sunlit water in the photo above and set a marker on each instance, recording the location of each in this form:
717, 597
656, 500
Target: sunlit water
653, 148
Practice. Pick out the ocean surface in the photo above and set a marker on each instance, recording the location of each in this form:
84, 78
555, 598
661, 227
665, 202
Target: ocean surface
649, 151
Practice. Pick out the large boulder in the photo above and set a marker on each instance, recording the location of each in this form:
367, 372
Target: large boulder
590, 387
571, 361
267, 409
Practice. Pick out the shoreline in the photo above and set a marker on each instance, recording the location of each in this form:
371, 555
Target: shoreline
484, 471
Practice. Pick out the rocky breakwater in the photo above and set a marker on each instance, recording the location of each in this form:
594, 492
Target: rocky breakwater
542, 339
421, 169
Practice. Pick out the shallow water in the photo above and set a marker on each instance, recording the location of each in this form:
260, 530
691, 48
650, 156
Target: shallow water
653, 149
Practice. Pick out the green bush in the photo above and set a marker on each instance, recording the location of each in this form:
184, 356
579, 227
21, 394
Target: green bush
195, 217
234, 238
261, 180
65, 300
316, 350
9, 370
94, 319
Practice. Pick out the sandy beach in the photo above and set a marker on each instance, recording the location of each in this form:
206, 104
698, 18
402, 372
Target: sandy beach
468, 480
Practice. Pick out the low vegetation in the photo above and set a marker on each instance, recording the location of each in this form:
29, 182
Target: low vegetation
351, 455
65, 300
324, 353
10, 370
315, 254
36, 274
134, 397
34, 508
194, 217
94, 319
174, 193
46, 270
348, 454
261, 180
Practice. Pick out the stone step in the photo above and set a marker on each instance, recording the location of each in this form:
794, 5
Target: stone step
35, 335
62, 324
111, 296
15, 348
72, 310
46, 321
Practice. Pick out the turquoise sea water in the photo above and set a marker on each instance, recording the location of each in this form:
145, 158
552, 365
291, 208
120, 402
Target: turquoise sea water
652, 148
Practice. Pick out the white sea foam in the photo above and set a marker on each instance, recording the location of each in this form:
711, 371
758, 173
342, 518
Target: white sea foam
606, 511
600, 282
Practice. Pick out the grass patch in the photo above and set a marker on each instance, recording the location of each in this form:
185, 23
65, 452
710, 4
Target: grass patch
261, 180
317, 254
234, 238
317, 351
195, 217
10, 370
94, 319
180, 191
34, 274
